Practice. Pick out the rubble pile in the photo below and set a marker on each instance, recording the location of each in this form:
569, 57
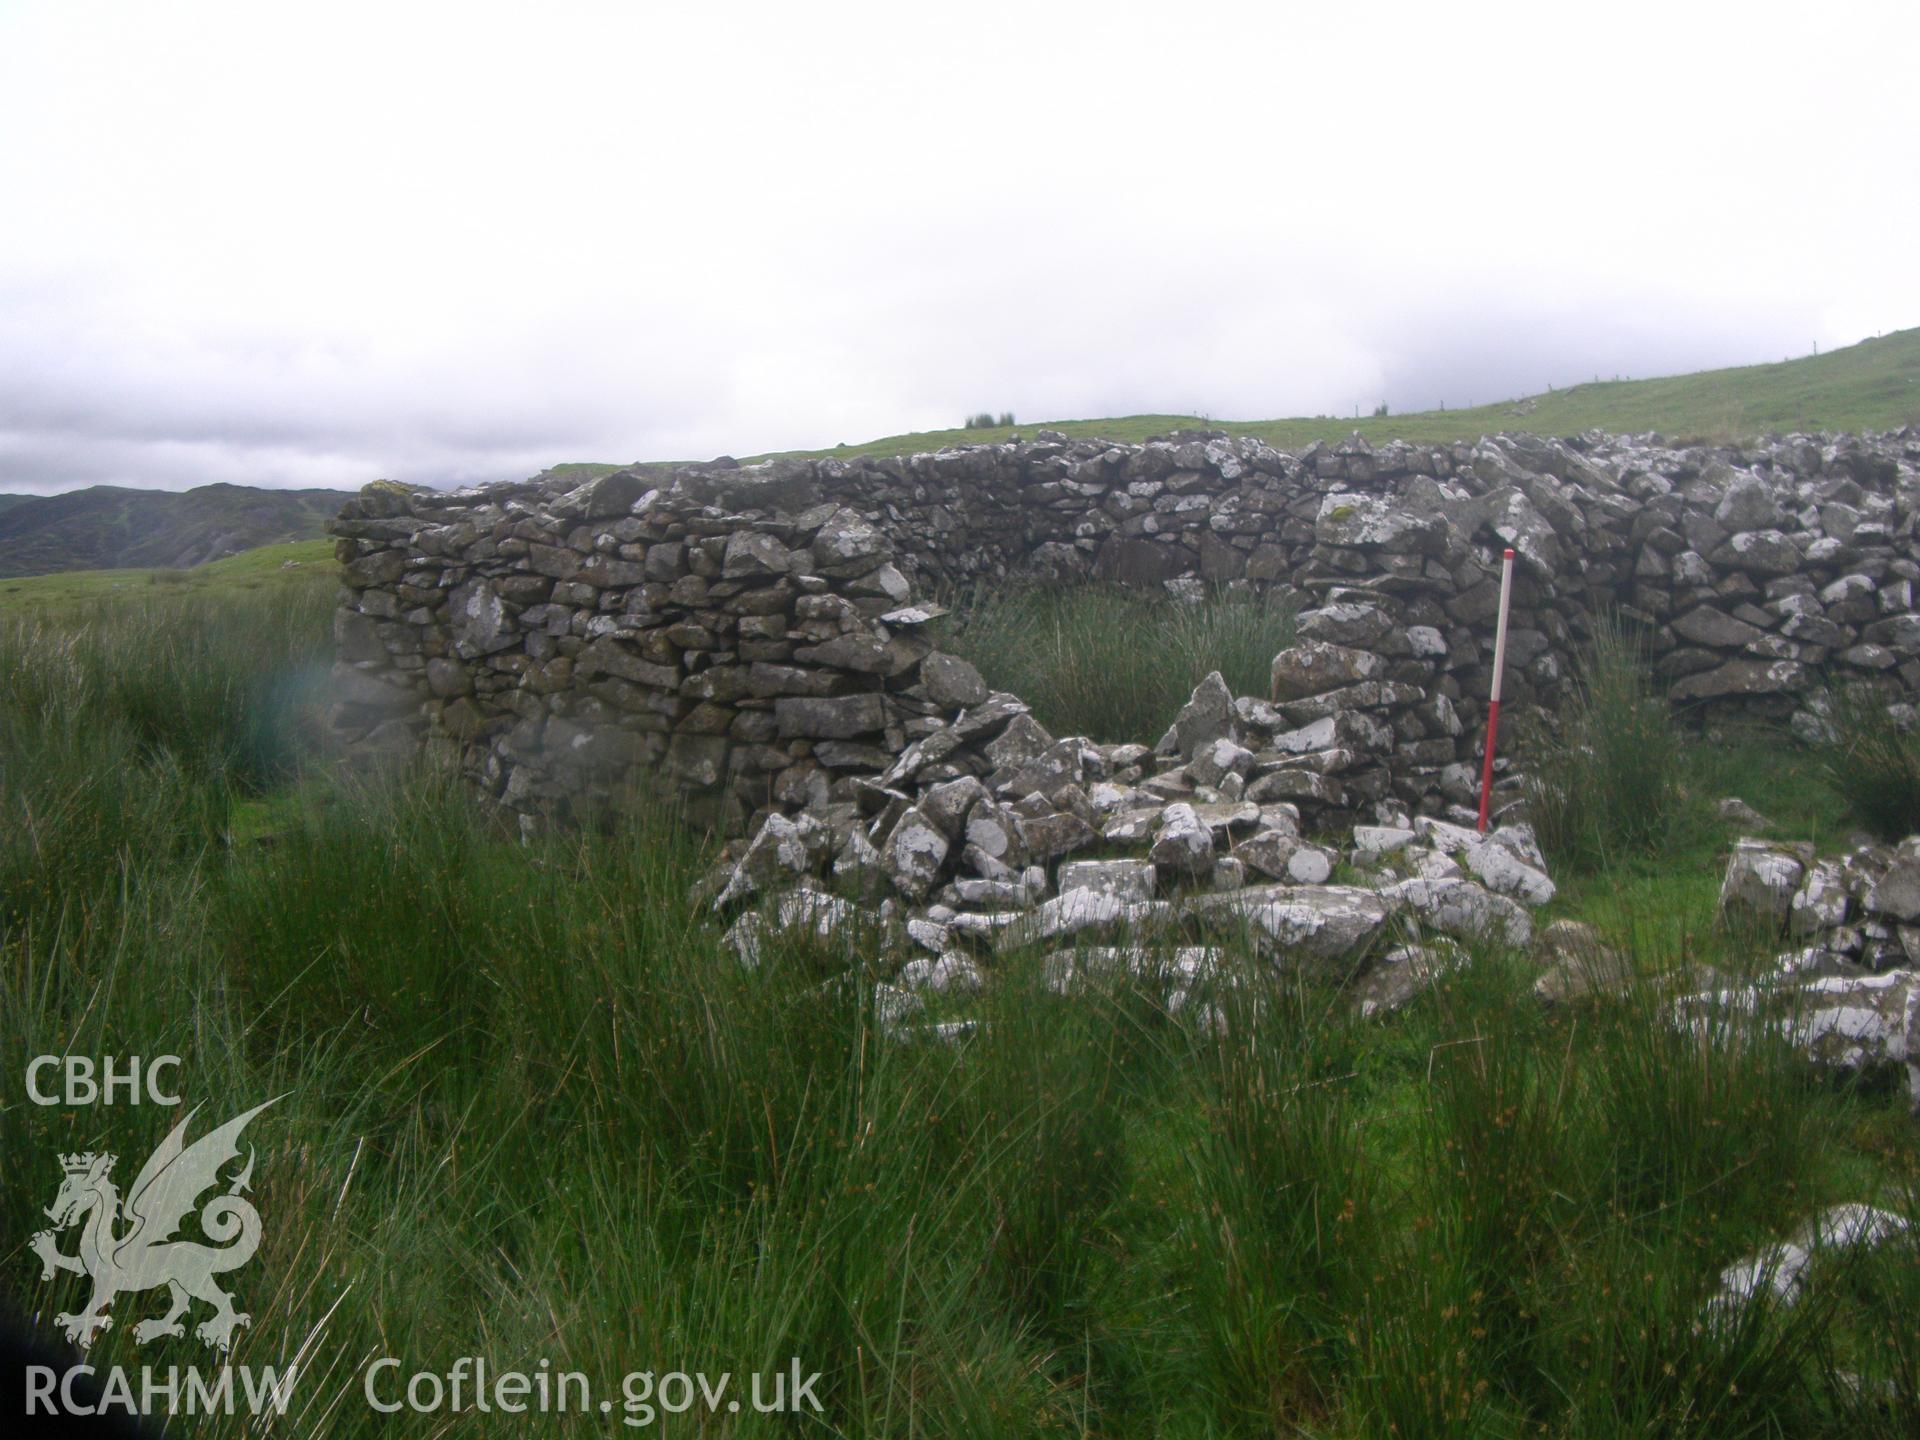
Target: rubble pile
990, 835
1848, 992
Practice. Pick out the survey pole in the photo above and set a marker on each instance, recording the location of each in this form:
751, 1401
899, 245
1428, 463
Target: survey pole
1493, 700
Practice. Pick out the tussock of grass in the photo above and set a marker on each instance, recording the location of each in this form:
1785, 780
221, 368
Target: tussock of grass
1873, 760
1114, 663
217, 684
128, 729
1609, 784
532, 1110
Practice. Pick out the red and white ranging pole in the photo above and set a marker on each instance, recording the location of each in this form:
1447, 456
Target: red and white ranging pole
1493, 701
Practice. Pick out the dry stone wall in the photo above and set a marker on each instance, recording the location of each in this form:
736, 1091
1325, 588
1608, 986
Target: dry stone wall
760, 636
1848, 994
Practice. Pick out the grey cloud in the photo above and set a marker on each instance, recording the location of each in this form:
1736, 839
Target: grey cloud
1488, 348
867, 228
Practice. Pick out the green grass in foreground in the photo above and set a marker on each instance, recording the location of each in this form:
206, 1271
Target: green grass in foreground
297, 563
533, 1111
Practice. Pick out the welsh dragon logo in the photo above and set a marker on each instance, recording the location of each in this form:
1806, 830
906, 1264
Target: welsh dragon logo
130, 1246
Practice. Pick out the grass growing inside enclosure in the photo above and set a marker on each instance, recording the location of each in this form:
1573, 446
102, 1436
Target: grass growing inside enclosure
1609, 784
1624, 802
1113, 663
1873, 760
532, 1110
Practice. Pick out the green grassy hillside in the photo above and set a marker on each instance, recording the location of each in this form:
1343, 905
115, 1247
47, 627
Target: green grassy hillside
265, 567
1874, 385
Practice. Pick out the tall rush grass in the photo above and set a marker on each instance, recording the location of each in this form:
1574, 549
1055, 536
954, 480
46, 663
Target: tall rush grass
531, 1109
1608, 785
1873, 758
1114, 663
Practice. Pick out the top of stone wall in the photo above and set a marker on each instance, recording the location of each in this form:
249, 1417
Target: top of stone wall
1602, 462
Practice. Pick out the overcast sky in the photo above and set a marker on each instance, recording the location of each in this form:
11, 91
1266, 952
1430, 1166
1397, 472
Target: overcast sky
312, 244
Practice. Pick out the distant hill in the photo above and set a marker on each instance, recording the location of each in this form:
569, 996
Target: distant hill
1874, 385
111, 527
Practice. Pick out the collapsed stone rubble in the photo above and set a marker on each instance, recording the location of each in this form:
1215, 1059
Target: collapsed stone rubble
1014, 838
1848, 993
1779, 1272
987, 851
1415, 898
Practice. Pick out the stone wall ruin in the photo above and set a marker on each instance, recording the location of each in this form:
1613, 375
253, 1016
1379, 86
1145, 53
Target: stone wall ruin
757, 635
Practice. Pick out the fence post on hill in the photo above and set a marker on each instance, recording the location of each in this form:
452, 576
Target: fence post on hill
1493, 701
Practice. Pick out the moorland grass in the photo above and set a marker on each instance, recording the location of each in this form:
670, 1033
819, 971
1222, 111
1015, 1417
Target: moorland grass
531, 1109
1872, 760
1608, 783
296, 564
1113, 663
